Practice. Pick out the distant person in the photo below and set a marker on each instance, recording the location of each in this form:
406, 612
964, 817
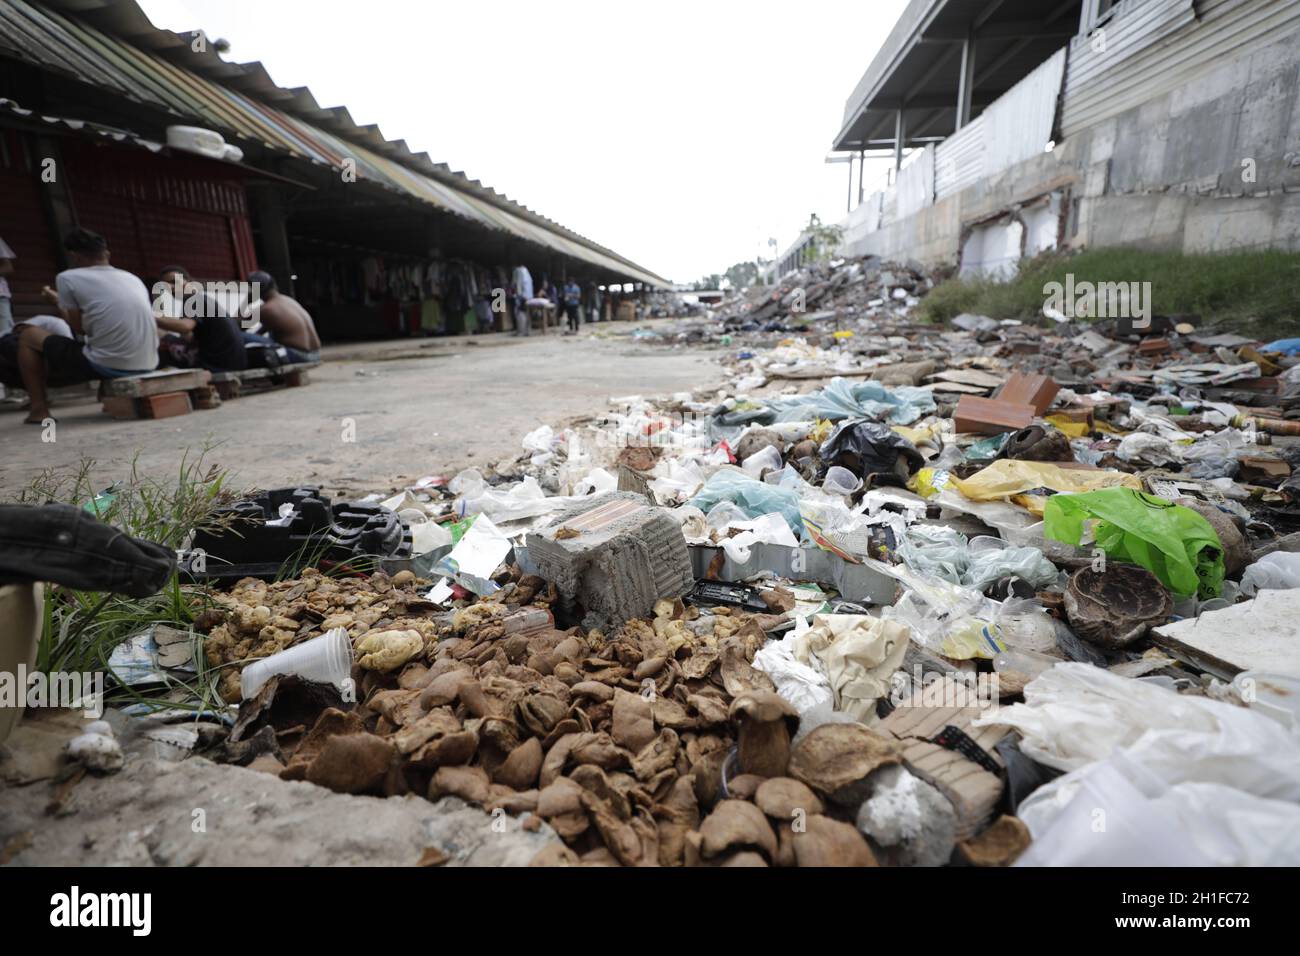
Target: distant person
7, 258
572, 303
109, 306
286, 322
209, 339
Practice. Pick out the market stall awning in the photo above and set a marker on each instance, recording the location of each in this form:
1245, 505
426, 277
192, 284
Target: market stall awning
112, 45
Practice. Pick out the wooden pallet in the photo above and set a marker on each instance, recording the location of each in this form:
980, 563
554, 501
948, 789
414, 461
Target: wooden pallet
233, 384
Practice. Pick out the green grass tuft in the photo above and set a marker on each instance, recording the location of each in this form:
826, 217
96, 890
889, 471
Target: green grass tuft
1256, 293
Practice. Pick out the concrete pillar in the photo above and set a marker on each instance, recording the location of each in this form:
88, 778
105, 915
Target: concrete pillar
900, 135
966, 81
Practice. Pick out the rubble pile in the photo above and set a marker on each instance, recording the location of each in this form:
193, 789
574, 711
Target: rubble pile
819, 299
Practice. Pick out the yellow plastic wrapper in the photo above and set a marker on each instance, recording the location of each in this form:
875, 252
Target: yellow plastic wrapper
822, 430
920, 434
843, 334
927, 482
1009, 480
1068, 426
971, 638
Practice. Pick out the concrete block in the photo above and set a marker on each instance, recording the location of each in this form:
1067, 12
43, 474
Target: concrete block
615, 557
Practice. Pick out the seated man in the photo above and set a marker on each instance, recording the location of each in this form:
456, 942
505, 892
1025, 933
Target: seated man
287, 322
203, 335
109, 306
9, 375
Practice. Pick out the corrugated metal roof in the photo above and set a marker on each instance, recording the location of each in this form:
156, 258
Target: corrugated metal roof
113, 45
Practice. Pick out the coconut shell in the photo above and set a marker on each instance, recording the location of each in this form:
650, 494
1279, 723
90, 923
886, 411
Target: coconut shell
833, 756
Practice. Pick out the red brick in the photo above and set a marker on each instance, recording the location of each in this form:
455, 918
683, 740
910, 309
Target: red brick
163, 406
120, 406
1036, 391
991, 416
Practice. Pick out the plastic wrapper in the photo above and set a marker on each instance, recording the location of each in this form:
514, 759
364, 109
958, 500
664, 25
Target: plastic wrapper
1010, 480
1277, 571
803, 685
766, 529
755, 498
1179, 778
839, 400
947, 554
1174, 543
1145, 449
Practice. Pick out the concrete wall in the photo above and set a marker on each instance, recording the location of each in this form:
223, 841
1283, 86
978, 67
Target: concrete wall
1168, 174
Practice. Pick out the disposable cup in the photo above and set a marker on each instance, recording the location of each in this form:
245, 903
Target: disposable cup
841, 481
322, 660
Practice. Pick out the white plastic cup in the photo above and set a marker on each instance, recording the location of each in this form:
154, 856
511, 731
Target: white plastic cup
322, 660
841, 481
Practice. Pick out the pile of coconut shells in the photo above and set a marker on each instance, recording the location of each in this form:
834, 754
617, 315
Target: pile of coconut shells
656, 745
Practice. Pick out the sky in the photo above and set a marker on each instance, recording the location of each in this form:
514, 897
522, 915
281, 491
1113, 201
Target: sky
682, 135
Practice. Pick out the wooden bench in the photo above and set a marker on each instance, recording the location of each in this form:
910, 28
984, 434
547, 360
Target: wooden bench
160, 394
231, 384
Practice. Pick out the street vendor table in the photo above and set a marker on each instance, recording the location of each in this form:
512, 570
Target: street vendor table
541, 310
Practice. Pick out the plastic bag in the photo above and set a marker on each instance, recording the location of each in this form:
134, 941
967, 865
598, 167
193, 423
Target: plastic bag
769, 459
803, 685
1279, 571
755, 498
1174, 543
1148, 450
766, 529
842, 399
946, 554
868, 448
1122, 816
1169, 771
1010, 479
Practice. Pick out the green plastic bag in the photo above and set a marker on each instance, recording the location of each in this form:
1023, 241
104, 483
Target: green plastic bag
1174, 543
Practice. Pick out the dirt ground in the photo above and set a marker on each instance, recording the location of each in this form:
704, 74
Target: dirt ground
410, 409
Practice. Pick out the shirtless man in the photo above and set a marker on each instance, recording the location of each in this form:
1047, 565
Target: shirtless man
287, 322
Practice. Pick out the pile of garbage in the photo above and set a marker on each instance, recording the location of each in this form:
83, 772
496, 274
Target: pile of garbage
819, 298
892, 594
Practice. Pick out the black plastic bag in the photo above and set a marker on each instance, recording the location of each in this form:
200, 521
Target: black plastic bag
870, 448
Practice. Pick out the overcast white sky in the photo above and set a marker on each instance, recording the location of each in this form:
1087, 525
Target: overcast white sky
679, 134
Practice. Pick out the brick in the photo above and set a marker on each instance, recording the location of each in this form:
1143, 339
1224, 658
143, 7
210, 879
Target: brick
1036, 391
991, 416
163, 406
120, 406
